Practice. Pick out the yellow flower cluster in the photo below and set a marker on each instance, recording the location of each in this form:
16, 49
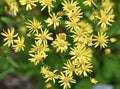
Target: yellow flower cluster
84, 37
10, 40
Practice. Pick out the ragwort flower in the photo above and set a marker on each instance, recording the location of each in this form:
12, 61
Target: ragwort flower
9, 37
105, 18
54, 19
33, 26
81, 52
65, 80
36, 57
47, 3
19, 44
43, 36
69, 5
29, 3
60, 45
101, 40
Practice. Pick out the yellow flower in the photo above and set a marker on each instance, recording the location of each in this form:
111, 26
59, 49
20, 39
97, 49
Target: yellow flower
47, 3
84, 69
48, 85
69, 67
85, 27
9, 37
14, 7
93, 80
61, 36
61, 45
39, 47
107, 5
72, 24
105, 18
53, 19
101, 40
107, 50
44, 70
43, 36
112, 40
75, 13
34, 26
51, 76
78, 35
69, 5
89, 3
65, 80
89, 40
79, 62
92, 17
9, 1
36, 57
19, 44
28, 3
81, 52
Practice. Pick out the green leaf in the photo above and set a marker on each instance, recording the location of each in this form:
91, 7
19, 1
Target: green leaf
84, 84
8, 20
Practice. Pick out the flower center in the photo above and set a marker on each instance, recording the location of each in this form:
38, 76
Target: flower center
54, 20
73, 23
79, 34
28, 1
69, 6
37, 57
10, 37
61, 44
47, 2
104, 19
43, 37
39, 49
19, 44
72, 68
66, 79
77, 53
35, 26
100, 40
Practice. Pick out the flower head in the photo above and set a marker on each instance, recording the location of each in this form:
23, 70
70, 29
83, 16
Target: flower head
101, 40
61, 45
28, 3
93, 80
69, 5
107, 5
72, 24
54, 19
81, 52
36, 57
65, 80
51, 76
19, 44
34, 26
43, 36
9, 37
84, 69
14, 7
39, 47
105, 19
69, 67
75, 13
47, 3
